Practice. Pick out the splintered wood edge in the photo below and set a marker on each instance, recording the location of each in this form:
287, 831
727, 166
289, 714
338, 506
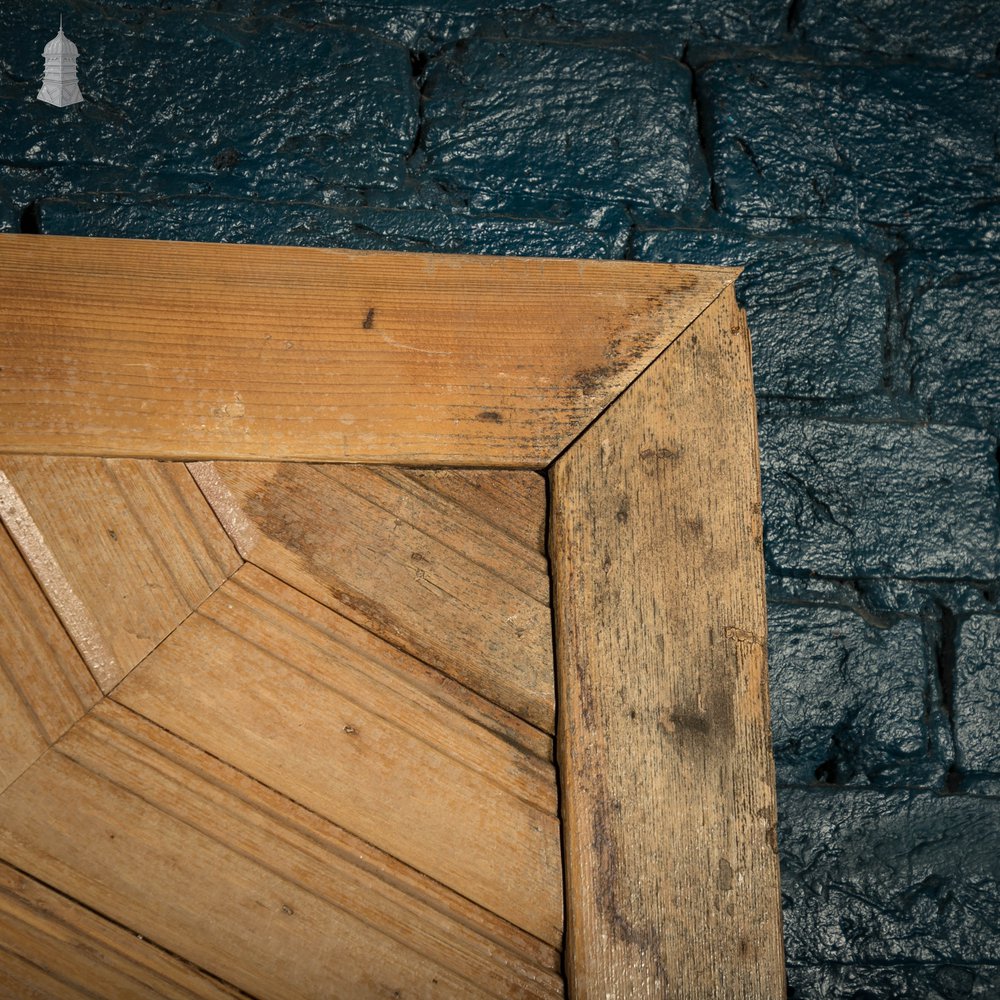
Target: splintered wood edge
190, 351
666, 772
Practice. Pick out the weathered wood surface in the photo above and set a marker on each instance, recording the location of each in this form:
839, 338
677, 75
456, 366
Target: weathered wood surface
405, 561
515, 502
664, 741
238, 841
52, 947
186, 350
124, 549
203, 861
315, 707
44, 685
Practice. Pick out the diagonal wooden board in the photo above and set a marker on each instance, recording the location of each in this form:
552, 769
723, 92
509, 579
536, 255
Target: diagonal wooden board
303, 714
630, 383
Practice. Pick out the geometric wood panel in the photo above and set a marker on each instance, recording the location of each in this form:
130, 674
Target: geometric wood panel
395, 555
656, 524
513, 502
218, 353
267, 679
198, 858
51, 946
44, 685
288, 800
125, 550
191, 350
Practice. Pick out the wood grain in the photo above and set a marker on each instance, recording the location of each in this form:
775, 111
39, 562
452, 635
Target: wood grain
52, 947
664, 741
315, 707
216, 868
511, 500
44, 685
406, 562
124, 549
186, 350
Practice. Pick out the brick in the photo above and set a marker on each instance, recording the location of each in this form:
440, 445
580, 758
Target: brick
863, 500
899, 145
209, 104
959, 31
639, 24
922, 981
848, 703
977, 694
816, 307
232, 220
885, 877
951, 350
675, 23
555, 130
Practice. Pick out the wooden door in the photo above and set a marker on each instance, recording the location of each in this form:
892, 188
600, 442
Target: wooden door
314, 567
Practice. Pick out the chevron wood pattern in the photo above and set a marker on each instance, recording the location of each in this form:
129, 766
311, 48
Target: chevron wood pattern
396, 556
125, 550
44, 684
281, 795
291, 730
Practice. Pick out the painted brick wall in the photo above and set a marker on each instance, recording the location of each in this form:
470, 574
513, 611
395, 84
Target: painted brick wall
846, 151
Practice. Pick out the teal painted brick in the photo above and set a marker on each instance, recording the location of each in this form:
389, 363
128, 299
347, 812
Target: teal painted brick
888, 877
210, 104
215, 220
849, 700
669, 25
959, 31
554, 130
977, 694
816, 306
903, 981
862, 500
899, 145
951, 352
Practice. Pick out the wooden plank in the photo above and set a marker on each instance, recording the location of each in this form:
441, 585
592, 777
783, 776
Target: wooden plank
664, 740
44, 685
244, 883
315, 707
186, 350
124, 549
51, 946
511, 500
404, 561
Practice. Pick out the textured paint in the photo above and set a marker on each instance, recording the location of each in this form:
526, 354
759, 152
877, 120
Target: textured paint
890, 877
977, 697
950, 354
837, 718
957, 31
815, 306
845, 151
867, 501
602, 124
844, 144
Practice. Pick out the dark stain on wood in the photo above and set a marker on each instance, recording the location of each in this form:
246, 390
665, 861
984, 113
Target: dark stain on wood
489, 417
653, 458
369, 320
706, 724
725, 875
611, 880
